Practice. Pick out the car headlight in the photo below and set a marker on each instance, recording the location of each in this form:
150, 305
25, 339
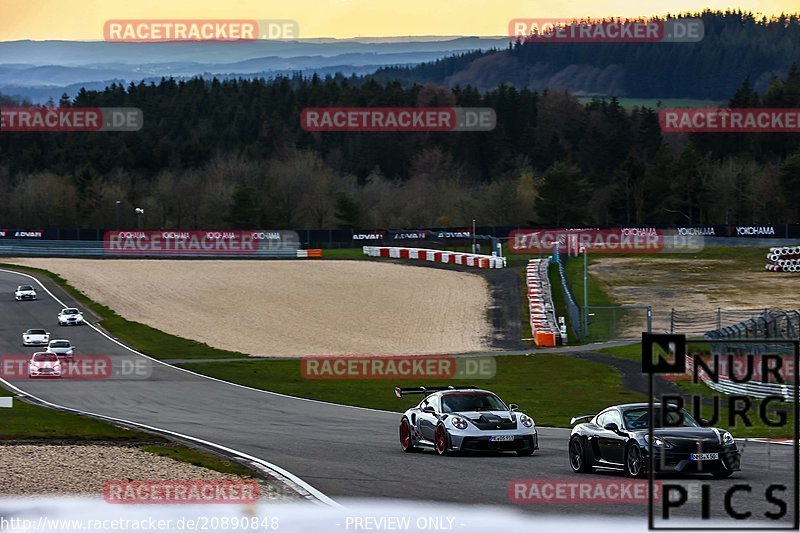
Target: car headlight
658, 442
727, 439
458, 422
526, 421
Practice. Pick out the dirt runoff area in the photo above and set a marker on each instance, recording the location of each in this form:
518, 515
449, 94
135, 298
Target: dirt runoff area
697, 285
292, 308
86, 469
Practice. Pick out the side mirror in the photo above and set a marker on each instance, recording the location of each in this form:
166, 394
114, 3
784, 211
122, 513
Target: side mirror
611, 426
428, 409
513, 407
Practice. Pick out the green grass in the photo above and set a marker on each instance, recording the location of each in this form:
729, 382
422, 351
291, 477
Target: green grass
631, 352
198, 458
605, 322
33, 423
552, 388
139, 336
343, 253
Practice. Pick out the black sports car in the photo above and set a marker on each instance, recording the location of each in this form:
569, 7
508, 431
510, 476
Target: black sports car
617, 438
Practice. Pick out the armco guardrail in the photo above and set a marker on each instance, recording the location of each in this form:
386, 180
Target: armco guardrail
544, 325
439, 256
46, 248
573, 310
755, 389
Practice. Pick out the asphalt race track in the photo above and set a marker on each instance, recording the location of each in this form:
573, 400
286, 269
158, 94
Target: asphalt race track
341, 451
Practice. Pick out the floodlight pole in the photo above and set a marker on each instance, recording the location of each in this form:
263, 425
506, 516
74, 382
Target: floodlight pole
473, 236
585, 293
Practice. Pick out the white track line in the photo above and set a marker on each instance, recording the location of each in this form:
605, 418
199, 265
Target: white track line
280, 472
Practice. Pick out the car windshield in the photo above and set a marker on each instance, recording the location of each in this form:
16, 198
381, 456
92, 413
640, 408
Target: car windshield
70, 311
471, 401
638, 418
45, 357
59, 344
25, 288
36, 332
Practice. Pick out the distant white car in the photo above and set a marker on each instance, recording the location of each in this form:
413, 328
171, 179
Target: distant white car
61, 347
44, 365
25, 292
35, 337
69, 316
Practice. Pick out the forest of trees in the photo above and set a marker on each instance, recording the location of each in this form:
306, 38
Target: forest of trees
735, 46
232, 154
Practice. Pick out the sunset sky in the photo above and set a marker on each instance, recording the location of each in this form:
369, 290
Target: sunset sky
83, 19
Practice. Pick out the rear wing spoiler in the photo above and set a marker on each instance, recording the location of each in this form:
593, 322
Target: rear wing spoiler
400, 392
582, 417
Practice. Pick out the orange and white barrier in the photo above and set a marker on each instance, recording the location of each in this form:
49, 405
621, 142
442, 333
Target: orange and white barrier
439, 256
544, 326
314, 252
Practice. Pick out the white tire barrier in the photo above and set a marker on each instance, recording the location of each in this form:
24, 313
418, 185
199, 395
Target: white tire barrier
544, 326
783, 259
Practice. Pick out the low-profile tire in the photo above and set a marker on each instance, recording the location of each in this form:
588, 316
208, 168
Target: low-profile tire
634, 461
442, 441
529, 451
406, 441
578, 458
722, 475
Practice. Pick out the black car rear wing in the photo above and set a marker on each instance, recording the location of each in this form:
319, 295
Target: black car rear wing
582, 417
400, 392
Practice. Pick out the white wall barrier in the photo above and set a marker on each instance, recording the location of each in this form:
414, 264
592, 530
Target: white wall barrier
439, 256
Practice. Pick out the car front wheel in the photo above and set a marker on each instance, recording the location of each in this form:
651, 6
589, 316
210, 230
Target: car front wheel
578, 460
442, 441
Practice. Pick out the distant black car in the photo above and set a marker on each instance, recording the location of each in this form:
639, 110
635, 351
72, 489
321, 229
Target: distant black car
617, 438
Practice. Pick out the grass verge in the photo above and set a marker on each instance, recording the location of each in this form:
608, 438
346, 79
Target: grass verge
551, 388
33, 423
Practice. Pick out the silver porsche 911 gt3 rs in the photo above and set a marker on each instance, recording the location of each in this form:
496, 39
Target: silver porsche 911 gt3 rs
464, 419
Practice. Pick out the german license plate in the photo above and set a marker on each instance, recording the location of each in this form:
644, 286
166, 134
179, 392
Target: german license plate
704, 456
501, 438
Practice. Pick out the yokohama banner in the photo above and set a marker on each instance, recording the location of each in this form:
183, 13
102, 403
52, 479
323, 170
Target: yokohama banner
197, 242
603, 241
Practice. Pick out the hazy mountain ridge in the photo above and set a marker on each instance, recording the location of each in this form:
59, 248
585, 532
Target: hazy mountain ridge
39, 70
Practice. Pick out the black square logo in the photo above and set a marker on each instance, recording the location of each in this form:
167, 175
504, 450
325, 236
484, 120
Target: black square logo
663, 354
